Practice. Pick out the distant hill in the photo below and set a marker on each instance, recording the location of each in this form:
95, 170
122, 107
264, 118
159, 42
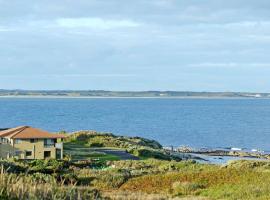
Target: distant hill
103, 93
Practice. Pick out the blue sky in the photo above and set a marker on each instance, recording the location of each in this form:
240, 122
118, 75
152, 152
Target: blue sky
209, 45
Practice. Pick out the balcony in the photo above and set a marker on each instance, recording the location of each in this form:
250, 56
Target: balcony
59, 145
56, 145
49, 145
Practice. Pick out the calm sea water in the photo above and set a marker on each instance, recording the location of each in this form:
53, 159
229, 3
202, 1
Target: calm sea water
194, 122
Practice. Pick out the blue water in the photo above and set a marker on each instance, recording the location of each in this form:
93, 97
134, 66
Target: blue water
193, 122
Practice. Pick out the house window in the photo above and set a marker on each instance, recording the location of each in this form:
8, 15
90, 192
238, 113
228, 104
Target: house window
4, 140
17, 141
47, 154
28, 153
18, 153
33, 140
58, 154
49, 142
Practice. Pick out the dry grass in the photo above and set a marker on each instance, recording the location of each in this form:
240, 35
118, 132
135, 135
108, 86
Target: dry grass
14, 186
164, 182
120, 195
145, 179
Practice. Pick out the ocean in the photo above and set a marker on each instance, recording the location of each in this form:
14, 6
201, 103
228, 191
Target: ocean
211, 123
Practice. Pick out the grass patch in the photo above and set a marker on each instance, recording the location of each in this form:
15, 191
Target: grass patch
140, 147
79, 151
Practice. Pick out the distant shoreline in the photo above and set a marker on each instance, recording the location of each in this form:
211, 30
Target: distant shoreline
17, 93
123, 97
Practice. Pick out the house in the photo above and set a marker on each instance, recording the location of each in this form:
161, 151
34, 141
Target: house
25, 142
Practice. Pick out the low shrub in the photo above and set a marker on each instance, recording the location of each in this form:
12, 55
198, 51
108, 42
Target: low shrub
95, 144
12, 166
186, 188
111, 179
46, 166
248, 165
151, 153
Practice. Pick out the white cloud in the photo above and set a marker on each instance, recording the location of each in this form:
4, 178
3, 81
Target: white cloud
5, 29
230, 64
94, 75
248, 24
67, 75
95, 23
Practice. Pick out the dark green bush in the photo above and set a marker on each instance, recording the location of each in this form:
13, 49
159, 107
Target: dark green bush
150, 153
96, 144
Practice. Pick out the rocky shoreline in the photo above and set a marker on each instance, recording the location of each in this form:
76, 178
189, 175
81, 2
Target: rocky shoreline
203, 154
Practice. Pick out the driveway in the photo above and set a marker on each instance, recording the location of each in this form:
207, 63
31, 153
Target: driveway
123, 155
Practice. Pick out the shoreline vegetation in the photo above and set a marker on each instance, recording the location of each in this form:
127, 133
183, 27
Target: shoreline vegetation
127, 94
106, 166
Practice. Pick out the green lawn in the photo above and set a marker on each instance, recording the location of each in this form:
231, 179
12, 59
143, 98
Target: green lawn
79, 151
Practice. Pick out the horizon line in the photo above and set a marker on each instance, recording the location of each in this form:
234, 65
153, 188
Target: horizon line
134, 91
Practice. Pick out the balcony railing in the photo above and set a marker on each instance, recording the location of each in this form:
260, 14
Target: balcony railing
56, 145
59, 145
49, 145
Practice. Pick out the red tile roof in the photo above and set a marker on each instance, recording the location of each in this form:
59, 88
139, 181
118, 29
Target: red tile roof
26, 132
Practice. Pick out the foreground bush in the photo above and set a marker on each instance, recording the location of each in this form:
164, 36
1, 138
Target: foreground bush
186, 188
30, 187
140, 179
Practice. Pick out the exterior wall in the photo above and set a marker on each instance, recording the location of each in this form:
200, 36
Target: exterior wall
37, 148
6, 150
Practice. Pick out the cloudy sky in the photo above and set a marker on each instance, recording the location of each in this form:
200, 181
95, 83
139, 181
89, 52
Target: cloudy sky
196, 45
